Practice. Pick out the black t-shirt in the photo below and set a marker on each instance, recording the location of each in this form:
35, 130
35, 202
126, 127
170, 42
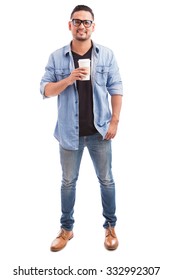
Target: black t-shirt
86, 116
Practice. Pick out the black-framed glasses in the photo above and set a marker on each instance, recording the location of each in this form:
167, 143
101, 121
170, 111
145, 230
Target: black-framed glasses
77, 22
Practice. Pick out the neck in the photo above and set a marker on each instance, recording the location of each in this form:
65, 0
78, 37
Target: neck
81, 47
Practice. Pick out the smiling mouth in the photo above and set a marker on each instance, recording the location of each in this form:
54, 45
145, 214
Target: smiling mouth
81, 32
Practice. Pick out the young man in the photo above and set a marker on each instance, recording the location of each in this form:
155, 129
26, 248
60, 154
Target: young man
84, 118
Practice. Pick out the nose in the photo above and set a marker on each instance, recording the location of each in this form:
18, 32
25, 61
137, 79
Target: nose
81, 25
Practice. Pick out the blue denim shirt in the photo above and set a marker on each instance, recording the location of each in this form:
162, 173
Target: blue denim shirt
105, 79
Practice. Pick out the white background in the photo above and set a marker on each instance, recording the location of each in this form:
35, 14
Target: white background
140, 34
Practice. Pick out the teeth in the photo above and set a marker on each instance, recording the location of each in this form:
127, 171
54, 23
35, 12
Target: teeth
81, 31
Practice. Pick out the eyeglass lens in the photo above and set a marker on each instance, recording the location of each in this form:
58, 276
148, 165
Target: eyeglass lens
77, 22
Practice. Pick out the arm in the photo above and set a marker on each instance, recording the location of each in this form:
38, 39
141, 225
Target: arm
55, 88
116, 102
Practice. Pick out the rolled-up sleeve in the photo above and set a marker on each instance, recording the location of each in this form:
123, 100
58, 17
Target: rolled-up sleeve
49, 75
114, 82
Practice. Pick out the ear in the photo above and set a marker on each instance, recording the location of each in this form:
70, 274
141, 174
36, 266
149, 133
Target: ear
93, 27
69, 25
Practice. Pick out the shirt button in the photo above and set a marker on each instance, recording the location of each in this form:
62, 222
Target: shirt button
77, 127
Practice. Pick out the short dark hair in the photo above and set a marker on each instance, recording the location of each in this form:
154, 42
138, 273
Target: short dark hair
82, 8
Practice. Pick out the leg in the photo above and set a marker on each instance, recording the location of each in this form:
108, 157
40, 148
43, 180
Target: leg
70, 162
101, 155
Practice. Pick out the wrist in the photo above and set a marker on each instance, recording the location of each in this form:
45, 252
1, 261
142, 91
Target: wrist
115, 119
69, 81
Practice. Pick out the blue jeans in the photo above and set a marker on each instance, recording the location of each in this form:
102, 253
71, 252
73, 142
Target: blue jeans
101, 154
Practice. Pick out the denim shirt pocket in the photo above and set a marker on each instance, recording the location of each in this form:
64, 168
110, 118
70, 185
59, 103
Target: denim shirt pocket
102, 75
61, 74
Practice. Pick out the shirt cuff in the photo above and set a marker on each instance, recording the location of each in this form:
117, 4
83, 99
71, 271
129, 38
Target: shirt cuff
42, 89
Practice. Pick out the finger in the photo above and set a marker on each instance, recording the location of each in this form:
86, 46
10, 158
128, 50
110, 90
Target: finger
107, 137
81, 77
82, 69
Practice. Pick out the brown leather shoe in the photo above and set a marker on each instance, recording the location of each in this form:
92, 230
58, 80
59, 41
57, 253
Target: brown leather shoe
111, 240
61, 240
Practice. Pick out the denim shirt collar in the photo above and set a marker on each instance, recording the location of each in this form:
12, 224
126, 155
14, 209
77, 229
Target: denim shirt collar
67, 49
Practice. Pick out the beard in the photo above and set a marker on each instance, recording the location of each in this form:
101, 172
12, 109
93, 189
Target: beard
82, 36
81, 39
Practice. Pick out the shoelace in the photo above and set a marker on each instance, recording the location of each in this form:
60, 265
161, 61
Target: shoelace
110, 231
62, 234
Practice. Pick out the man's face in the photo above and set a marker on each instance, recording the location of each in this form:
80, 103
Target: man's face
81, 32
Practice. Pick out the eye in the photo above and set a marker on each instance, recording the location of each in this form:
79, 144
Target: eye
87, 23
76, 22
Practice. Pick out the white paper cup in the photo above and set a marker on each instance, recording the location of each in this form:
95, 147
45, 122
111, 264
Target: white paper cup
85, 63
